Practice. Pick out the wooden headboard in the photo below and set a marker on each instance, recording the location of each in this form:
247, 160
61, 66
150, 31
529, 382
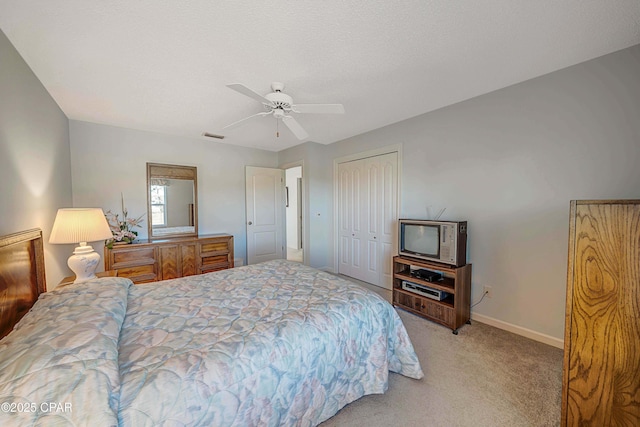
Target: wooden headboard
22, 277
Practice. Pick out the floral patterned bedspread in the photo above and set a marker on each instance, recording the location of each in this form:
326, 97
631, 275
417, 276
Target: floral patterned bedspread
59, 365
271, 344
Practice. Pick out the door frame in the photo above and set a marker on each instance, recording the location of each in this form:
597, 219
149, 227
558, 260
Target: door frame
305, 209
397, 148
299, 214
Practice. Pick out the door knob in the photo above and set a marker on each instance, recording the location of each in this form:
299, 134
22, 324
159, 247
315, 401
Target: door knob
250, 223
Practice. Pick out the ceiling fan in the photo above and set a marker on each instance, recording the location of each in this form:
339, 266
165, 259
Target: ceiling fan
280, 105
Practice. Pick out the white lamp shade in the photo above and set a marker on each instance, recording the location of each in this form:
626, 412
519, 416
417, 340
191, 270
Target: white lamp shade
79, 226
75, 225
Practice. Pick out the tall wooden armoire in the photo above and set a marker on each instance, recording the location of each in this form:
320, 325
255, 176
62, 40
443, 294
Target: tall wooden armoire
601, 373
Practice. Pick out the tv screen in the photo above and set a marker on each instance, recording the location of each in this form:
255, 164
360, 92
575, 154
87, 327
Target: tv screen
421, 239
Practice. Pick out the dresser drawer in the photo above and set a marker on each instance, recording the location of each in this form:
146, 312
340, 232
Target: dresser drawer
140, 273
133, 256
217, 246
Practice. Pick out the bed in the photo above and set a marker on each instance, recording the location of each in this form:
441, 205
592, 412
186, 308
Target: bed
272, 344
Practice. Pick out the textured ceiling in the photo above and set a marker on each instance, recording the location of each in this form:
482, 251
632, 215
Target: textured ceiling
163, 65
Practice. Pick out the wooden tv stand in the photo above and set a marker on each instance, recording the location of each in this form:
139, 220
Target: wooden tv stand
453, 311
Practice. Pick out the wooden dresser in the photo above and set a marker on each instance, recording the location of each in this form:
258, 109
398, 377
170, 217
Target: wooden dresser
149, 261
601, 375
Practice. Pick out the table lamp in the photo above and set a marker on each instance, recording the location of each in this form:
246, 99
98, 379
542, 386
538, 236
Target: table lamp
81, 225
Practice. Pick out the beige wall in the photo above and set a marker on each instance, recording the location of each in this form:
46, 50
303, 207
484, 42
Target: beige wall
107, 161
35, 170
508, 162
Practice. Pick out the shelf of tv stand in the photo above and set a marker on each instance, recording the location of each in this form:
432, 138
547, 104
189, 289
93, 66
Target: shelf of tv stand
454, 311
447, 284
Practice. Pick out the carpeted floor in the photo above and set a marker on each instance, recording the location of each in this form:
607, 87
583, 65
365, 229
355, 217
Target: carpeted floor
483, 376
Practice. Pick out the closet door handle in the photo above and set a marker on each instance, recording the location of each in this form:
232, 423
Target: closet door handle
250, 223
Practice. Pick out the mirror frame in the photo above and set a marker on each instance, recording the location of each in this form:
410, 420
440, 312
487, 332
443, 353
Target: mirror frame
160, 170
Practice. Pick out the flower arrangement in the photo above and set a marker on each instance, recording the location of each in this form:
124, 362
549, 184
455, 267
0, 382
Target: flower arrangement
122, 229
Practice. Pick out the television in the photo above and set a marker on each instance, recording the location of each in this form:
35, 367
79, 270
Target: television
438, 241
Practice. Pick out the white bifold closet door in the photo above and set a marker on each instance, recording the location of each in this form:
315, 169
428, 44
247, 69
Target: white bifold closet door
367, 219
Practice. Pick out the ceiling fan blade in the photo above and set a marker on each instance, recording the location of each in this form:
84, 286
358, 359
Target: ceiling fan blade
238, 87
295, 127
241, 121
318, 108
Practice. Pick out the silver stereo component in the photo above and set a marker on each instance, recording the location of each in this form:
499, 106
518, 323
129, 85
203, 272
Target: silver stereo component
424, 291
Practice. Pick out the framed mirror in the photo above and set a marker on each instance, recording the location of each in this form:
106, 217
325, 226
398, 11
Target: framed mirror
172, 200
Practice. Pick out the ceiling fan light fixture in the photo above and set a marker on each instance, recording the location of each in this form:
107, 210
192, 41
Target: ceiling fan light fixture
279, 105
279, 100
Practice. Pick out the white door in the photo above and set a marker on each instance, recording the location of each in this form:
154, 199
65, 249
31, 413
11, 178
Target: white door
388, 205
367, 218
265, 206
350, 219
371, 216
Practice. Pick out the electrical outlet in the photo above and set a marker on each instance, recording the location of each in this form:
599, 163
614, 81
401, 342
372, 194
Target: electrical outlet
487, 290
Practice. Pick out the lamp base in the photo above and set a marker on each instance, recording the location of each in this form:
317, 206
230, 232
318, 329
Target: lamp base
83, 262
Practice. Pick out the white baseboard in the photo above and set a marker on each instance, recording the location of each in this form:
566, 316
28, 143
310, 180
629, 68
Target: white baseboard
238, 262
518, 330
